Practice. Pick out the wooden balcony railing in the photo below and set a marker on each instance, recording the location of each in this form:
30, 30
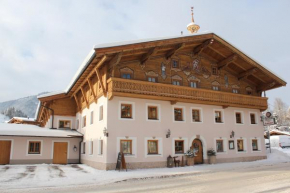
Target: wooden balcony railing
158, 91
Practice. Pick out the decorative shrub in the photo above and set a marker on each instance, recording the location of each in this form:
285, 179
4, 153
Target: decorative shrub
211, 152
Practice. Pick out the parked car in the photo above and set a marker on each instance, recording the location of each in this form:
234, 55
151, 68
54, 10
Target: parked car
280, 141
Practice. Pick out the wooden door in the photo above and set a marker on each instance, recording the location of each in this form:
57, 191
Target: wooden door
5, 148
197, 147
60, 153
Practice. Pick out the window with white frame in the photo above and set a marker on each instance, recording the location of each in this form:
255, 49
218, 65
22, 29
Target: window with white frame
101, 147
34, 147
253, 118
255, 145
219, 145
240, 145
101, 113
92, 117
239, 117
64, 124
178, 114
179, 146
83, 147
78, 124
152, 112
152, 146
218, 116
91, 147
84, 121
196, 115
126, 146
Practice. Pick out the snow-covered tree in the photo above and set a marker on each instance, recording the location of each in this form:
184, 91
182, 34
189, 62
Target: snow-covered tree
281, 110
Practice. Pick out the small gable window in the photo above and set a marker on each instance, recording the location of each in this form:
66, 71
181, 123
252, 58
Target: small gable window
214, 71
175, 64
126, 73
176, 80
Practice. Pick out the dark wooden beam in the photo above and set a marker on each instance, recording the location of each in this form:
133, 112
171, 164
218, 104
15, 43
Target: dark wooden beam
247, 73
224, 63
148, 55
197, 50
266, 86
173, 52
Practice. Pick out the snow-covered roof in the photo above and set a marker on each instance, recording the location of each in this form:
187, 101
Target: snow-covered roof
35, 131
23, 119
51, 94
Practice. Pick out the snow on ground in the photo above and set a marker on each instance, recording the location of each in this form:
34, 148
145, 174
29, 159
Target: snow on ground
49, 175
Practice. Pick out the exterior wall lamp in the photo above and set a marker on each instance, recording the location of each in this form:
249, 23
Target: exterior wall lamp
168, 133
105, 131
75, 148
232, 134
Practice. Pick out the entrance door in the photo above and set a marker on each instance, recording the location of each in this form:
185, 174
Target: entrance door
5, 148
60, 153
197, 147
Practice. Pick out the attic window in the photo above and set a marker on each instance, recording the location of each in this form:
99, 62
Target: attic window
176, 80
126, 73
214, 71
175, 64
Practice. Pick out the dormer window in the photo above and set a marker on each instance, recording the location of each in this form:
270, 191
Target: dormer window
126, 73
176, 80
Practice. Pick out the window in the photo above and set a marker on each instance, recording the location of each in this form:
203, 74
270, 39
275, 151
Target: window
100, 147
127, 76
126, 111
218, 116
193, 84
92, 117
84, 148
231, 144
91, 152
176, 82
253, 118
239, 118
126, 146
78, 124
179, 146
101, 115
152, 146
34, 147
236, 91
84, 121
255, 144
215, 88
152, 79
214, 71
249, 92
178, 114
195, 115
240, 144
175, 64
64, 124
219, 146
152, 113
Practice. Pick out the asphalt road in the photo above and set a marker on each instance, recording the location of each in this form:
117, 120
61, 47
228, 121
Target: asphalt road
263, 178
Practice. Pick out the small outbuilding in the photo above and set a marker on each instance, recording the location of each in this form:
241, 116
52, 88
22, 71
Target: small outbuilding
30, 144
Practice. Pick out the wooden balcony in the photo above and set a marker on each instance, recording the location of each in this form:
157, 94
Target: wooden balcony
158, 91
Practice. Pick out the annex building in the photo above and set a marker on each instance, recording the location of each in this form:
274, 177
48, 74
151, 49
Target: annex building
158, 97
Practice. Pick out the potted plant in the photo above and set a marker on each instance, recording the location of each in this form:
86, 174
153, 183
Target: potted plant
190, 157
211, 156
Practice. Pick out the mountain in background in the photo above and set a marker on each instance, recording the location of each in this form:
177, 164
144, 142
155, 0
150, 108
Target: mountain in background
27, 105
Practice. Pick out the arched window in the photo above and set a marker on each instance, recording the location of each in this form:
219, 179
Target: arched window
236, 89
126, 73
193, 81
151, 76
176, 80
249, 90
215, 85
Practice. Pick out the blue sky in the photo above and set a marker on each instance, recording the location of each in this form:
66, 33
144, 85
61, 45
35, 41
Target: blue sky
44, 42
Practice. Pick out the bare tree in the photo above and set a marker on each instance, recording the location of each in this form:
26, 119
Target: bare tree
281, 110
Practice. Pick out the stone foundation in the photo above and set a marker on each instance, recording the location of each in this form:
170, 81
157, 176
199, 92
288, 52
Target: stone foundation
144, 165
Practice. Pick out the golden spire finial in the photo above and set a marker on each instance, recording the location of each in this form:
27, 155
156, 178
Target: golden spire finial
192, 20
192, 27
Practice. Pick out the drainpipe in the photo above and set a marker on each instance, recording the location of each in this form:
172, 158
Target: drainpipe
52, 114
80, 149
